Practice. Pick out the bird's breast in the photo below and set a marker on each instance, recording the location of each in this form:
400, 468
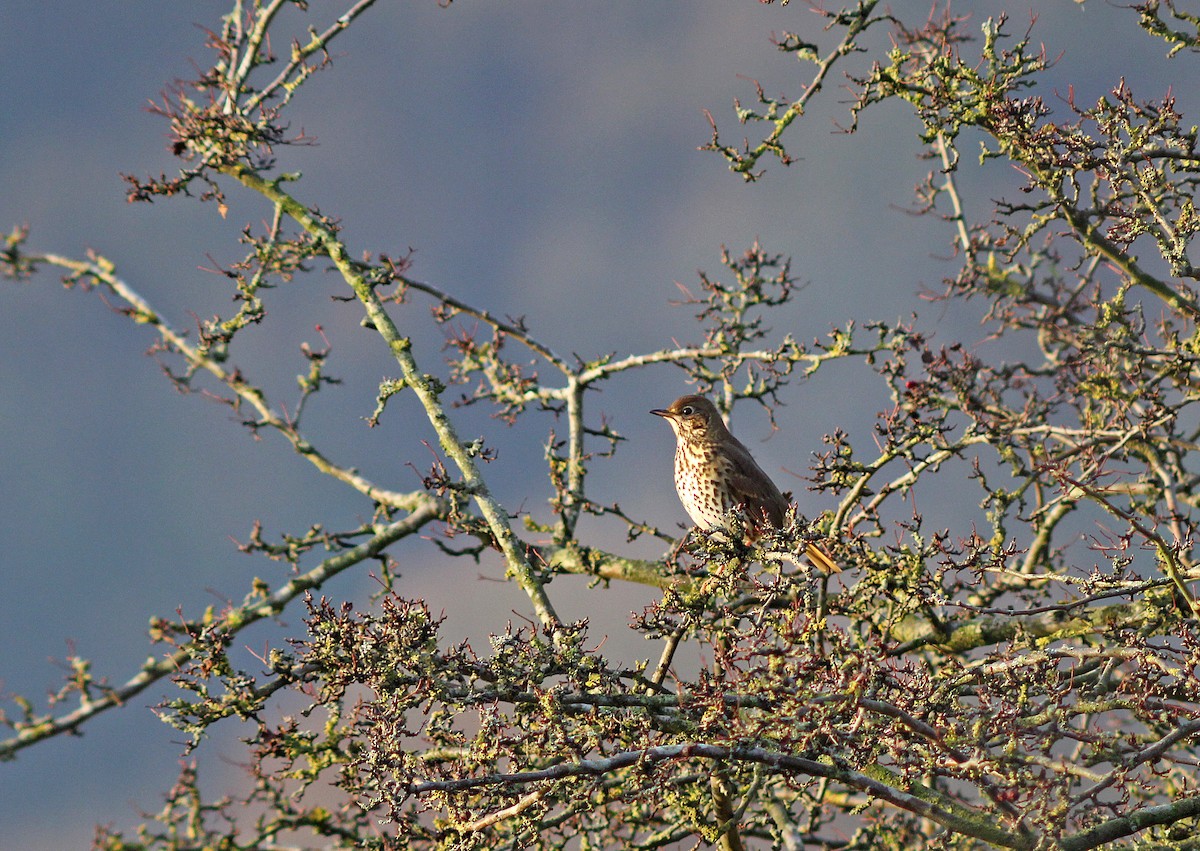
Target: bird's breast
701, 480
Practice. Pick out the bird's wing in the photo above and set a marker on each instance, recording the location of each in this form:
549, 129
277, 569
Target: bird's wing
753, 488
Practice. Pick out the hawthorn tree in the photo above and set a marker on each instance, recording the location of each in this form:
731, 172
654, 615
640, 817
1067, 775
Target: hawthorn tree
1026, 683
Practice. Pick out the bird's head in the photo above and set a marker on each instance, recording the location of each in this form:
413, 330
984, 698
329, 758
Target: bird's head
693, 419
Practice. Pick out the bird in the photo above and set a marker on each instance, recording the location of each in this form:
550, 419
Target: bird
715, 473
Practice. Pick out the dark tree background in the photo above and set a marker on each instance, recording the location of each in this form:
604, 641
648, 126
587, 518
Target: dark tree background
1009, 655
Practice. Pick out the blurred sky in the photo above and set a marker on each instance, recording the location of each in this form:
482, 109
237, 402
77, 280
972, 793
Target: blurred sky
541, 159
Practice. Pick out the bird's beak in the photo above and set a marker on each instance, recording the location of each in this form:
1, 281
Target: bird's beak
659, 412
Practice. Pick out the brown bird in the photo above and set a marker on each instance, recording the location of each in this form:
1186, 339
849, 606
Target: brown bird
715, 473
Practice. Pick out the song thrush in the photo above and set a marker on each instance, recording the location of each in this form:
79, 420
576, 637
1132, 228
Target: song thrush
715, 473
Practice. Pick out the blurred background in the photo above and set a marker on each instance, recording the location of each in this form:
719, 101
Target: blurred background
541, 160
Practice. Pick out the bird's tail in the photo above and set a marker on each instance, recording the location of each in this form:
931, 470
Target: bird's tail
821, 559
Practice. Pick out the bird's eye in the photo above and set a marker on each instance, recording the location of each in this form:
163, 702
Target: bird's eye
687, 410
